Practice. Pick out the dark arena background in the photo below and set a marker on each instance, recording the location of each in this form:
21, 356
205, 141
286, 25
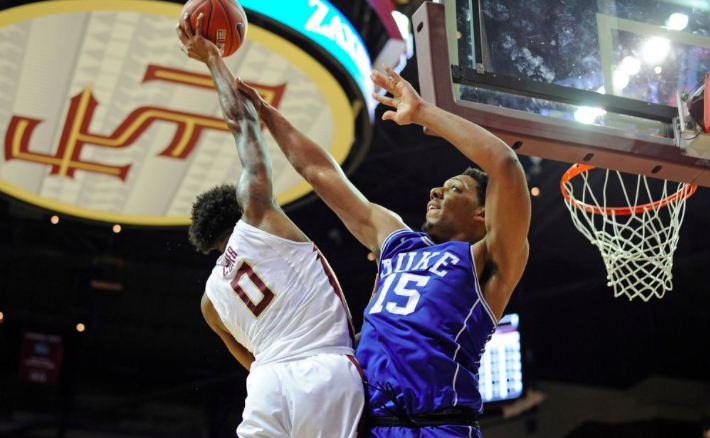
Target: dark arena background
101, 333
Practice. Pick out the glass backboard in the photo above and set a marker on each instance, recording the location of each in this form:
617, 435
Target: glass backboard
644, 50
593, 82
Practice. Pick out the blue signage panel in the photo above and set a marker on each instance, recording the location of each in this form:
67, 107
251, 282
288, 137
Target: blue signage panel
324, 24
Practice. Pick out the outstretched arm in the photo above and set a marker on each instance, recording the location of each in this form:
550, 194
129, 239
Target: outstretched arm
254, 191
507, 209
368, 222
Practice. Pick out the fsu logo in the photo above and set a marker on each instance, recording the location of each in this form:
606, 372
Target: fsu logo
103, 117
75, 134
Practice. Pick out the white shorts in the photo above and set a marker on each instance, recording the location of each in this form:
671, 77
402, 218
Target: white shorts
318, 396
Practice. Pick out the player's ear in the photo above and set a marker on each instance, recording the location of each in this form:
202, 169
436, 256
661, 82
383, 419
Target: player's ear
480, 214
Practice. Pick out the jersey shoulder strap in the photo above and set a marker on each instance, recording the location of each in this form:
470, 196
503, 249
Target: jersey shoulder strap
391, 240
404, 240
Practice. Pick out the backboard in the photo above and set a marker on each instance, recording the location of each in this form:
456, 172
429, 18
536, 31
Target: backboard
596, 82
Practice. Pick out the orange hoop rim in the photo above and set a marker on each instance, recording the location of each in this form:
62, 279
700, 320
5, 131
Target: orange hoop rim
576, 169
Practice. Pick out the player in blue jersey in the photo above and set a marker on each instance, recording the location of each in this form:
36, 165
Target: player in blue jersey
439, 292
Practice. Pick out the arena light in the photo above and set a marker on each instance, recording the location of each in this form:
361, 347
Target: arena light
655, 50
631, 65
80, 327
116, 228
54, 220
677, 21
535, 191
2, 317
621, 80
586, 114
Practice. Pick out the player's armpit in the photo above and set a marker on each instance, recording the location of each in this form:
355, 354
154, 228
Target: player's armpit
507, 216
498, 282
243, 356
385, 222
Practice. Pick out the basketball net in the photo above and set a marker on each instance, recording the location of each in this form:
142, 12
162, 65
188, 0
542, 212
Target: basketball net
637, 242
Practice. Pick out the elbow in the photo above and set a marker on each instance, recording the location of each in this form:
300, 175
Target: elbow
318, 177
509, 158
313, 175
508, 164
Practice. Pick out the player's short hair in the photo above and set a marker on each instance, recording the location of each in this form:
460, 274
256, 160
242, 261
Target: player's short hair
481, 179
214, 214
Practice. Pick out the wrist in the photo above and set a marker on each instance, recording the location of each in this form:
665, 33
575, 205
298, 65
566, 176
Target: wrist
213, 56
421, 113
267, 113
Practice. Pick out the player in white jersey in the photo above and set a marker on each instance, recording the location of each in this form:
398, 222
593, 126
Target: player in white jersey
272, 297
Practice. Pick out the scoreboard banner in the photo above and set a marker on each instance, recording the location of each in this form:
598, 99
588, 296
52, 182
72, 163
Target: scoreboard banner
103, 117
322, 23
41, 358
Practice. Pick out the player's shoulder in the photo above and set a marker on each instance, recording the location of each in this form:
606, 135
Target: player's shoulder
404, 239
243, 230
400, 235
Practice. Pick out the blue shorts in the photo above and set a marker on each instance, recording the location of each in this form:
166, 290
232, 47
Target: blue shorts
424, 432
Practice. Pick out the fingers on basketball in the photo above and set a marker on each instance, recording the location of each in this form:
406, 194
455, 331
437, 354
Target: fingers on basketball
187, 25
224, 23
198, 27
181, 34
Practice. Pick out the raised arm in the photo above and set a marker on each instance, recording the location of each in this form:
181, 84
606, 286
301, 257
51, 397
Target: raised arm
368, 222
254, 191
507, 209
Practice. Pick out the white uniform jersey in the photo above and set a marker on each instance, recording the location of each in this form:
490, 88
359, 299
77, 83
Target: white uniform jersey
279, 298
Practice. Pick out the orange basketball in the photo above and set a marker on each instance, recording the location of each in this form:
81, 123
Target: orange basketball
225, 22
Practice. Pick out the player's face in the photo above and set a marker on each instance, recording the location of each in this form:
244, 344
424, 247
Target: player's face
453, 211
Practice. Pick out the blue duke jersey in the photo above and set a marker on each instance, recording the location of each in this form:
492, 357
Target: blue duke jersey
426, 328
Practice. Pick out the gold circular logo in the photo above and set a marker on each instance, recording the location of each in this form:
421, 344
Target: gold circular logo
103, 117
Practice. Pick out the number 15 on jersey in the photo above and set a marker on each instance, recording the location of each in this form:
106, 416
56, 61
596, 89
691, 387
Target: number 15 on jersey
404, 287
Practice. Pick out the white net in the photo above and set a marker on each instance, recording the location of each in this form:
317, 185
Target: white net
637, 241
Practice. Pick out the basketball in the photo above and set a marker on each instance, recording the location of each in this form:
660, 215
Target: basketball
224, 23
